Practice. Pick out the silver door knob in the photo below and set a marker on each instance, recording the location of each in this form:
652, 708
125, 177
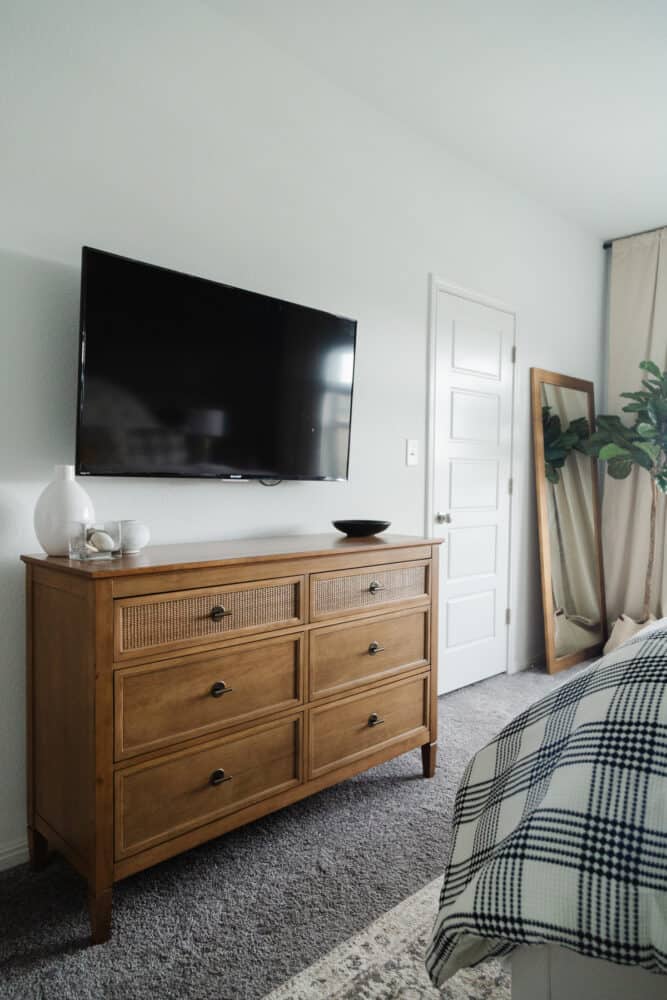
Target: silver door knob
443, 518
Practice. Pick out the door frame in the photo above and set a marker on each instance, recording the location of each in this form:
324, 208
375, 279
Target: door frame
436, 285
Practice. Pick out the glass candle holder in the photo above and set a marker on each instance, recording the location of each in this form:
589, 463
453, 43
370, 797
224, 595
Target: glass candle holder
90, 540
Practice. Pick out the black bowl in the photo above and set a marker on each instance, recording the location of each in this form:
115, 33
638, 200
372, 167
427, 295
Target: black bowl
361, 529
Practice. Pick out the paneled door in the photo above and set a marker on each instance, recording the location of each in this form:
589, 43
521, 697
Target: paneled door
472, 353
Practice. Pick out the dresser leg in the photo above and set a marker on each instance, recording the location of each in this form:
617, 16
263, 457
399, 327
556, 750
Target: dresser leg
99, 905
429, 751
38, 848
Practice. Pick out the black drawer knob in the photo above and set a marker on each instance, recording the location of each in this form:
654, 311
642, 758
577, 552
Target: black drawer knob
375, 586
219, 776
220, 688
375, 720
219, 612
375, 648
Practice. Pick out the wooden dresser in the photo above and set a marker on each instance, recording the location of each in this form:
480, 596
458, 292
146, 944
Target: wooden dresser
177, 694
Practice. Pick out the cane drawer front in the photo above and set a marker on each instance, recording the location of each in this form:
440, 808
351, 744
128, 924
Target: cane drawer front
345, 656
167, 796
360, 591
169, 701
186, 618
354, 727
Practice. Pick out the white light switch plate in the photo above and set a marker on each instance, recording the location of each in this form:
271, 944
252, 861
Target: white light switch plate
412, 452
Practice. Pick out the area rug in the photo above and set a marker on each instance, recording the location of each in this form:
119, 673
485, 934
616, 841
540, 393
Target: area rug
386, 960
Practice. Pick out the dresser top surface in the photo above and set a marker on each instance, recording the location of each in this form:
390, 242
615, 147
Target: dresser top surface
192, 555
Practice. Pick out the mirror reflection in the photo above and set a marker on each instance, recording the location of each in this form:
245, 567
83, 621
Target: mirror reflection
569, 518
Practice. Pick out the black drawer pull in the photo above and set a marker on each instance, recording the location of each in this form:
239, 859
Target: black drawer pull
374, 648
220, 688
375, 720
375, 586
217, 613
219, 776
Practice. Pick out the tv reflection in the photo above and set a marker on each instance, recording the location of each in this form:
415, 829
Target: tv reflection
120, 433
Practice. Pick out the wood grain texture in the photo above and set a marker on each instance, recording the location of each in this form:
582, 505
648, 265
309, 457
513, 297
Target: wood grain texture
220, 574
122, 743
163, 703
99, 907
194, 555
100, 640
429, 754
169, 848
343, 731
555, 663
434, 587
168, 796
345, 656
63, 702
29, 704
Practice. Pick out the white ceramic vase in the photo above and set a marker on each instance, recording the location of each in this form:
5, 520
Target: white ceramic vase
133, 537
62, 502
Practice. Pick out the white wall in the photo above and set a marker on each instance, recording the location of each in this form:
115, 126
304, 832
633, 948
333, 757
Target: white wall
161, 131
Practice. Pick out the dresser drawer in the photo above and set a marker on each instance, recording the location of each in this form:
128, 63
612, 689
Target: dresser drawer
343, 656
161, 703
165, 797
346, 730
359, 591
191, 617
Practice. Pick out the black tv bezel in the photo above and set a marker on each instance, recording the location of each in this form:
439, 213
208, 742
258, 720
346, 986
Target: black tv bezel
222, 477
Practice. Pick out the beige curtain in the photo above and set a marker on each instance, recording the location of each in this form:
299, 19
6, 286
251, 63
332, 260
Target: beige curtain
637, 331
571, 524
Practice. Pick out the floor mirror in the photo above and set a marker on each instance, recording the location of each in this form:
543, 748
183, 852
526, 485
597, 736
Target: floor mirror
568, 514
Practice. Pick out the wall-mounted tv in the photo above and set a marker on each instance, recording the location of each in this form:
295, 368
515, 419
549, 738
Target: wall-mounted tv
183, 376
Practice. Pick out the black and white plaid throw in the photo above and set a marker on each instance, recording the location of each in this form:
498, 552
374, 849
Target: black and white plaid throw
560, 824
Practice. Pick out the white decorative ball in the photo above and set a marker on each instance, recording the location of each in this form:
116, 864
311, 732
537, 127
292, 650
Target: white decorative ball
134, 536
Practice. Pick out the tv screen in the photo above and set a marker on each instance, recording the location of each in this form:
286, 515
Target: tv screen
182, 376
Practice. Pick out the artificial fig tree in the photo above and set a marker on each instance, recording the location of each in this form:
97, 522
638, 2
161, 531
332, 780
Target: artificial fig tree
643, 443
558, 443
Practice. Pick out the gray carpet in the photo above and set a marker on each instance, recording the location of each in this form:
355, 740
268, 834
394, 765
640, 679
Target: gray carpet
233, 919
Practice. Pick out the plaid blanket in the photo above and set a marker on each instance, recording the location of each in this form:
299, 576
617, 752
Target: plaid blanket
560, 824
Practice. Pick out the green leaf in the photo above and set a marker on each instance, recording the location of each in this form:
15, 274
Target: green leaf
661, 481
640, 458
609, 422
635, 408
613, 451
640, 397
650, 366
646, 430
552, 474
652, 450
580, 427
619, 468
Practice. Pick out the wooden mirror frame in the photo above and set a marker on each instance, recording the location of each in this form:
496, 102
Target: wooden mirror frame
538, 377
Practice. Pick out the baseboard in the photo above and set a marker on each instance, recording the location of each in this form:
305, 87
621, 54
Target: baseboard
536, 660
13, 853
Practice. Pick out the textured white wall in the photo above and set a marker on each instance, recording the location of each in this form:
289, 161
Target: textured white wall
162, 131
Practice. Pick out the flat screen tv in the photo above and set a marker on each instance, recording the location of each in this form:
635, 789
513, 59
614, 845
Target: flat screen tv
182, 376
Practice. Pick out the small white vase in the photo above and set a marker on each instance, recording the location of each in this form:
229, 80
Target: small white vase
62, 502
133, 537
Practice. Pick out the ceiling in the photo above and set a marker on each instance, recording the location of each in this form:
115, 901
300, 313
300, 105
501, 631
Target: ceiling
564, 99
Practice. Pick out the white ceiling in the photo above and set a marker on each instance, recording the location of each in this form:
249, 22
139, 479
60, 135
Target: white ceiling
565, 100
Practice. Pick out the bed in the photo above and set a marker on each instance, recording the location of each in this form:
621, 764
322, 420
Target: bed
559, 853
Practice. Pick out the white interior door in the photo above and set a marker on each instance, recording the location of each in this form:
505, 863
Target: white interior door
472, 351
